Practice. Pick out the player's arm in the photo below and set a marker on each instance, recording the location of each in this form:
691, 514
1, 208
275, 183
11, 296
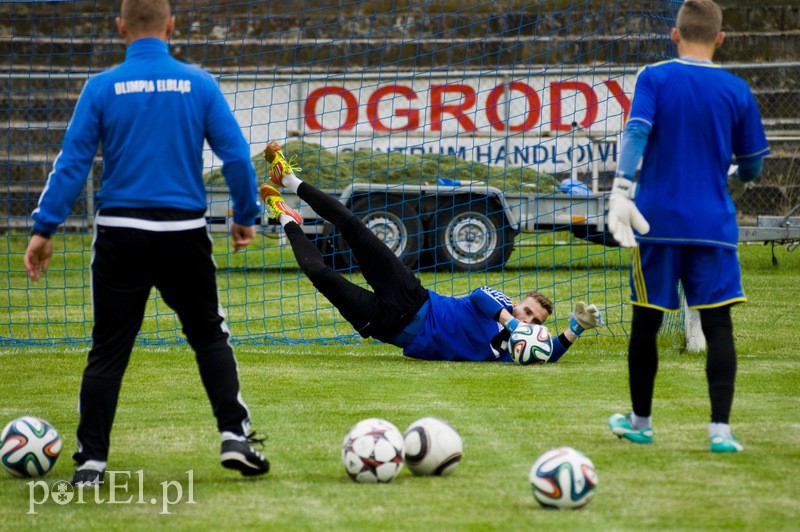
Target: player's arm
623, 216
228, 143
71, 167
741, 177
65, 182
495, 305
750, 147
631, 151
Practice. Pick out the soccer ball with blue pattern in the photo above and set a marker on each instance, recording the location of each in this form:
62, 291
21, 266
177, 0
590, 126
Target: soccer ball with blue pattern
563, 478
530, 344
29, 447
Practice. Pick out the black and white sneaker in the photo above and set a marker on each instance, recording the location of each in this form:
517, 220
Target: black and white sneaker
241, 455
87, 477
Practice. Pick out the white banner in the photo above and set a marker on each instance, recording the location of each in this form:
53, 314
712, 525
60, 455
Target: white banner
544, 122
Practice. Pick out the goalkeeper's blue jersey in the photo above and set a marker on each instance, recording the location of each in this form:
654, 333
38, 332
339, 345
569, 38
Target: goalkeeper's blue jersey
151, 115
700, 117
458, 329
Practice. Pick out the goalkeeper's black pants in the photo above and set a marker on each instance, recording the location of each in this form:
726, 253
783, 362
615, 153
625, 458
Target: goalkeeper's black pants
720, 359
398, 294
127, 263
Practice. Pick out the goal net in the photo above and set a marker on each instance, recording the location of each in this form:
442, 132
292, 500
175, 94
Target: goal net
477, 139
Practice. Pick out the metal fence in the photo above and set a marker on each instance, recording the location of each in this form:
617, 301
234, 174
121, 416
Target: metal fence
776, 87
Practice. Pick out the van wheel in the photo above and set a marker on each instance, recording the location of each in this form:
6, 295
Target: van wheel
473, 236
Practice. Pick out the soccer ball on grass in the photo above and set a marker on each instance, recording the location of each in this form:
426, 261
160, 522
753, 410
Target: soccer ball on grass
530, 344
563, 478
372, 451
433, 447
29, 447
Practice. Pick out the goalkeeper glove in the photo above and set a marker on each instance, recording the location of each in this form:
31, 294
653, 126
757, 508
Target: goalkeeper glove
736, 187
623, 216
584, 317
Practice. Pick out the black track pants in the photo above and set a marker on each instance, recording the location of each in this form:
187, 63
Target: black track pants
126, 265
397, 295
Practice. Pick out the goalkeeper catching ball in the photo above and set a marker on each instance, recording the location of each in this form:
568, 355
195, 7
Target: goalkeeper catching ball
399, 310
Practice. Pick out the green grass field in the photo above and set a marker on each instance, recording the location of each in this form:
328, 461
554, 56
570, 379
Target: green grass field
306, 397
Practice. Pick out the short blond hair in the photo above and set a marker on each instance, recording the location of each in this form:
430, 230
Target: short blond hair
542, 299
145, 15
699, 21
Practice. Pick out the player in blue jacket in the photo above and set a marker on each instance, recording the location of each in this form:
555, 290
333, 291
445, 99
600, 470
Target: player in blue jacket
400, 311
151, 114
688, 120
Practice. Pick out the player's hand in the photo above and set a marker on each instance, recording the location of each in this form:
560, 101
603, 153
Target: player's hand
623, 216
241, 236
37, 256
736, 188
584, 317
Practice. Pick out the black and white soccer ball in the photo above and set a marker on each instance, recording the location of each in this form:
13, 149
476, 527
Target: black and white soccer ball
29, 447
433, 447
530, 344
372, 451
563, 478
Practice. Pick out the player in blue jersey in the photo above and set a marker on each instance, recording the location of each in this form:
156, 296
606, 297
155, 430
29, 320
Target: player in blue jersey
689, 120
401, 311
151, 114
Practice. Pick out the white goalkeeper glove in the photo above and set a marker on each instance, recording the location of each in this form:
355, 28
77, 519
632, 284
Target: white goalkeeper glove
736, 187
584, 317
623, 216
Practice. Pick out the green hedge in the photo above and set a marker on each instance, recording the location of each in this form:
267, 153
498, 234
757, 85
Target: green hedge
329, 169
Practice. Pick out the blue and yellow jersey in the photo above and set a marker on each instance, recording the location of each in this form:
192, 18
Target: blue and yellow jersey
702, 119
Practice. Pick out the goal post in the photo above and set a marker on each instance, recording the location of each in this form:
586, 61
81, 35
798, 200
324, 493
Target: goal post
476, 138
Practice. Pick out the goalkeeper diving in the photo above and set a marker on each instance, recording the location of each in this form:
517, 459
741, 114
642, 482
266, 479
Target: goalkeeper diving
399, 310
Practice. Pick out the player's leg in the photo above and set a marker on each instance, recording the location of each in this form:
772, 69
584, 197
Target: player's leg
654, 288
636, 426
356, 304
120, 288
643, 358
322, 203
721, 361
192, 293
378, 264
400, 294
713, 283
654, 278
359, 306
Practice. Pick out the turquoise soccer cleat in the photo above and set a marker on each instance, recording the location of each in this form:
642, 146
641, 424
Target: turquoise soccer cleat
721, 444
621, 426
